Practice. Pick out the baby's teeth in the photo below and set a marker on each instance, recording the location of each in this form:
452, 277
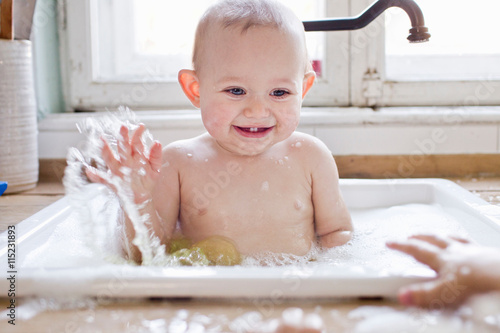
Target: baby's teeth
253, 129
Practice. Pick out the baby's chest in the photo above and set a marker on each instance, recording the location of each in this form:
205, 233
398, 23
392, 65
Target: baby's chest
247, 195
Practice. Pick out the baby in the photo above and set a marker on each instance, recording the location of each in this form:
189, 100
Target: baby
251, 178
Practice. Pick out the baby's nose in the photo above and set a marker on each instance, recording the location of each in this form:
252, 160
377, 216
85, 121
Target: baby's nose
256, 108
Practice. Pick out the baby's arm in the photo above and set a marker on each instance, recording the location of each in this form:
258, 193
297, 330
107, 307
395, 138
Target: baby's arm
140, 174
463, 269
331, 217
162, 208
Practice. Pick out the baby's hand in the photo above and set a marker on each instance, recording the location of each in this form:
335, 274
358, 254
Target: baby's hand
463, 269
136, 169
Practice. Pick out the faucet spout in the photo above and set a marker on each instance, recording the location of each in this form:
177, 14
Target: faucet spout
418, 32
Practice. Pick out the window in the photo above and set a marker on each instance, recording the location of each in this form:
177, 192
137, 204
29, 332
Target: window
129, 52
460, 65
158, 38
460, 48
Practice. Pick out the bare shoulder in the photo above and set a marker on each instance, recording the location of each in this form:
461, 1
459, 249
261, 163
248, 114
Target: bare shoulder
309, 147
179, 151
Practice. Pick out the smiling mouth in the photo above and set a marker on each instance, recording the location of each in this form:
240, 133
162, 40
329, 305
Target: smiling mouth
253, 132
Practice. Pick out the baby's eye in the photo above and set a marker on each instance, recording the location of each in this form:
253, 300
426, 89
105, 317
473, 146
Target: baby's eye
236, 91
279, 93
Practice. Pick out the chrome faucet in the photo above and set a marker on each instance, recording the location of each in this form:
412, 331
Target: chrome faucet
418, 32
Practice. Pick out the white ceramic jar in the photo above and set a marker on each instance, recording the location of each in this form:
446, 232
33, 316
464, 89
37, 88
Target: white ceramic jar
18, 121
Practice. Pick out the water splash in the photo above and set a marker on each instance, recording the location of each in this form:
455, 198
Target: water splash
103, 220
107, 126
283, 259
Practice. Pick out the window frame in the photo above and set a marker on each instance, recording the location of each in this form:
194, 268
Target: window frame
84, 90
354, 71
370, 87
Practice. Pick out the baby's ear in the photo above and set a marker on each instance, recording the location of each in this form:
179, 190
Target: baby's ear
308, 82
190, 85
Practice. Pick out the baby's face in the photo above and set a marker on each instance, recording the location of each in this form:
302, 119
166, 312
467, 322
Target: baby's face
251, 87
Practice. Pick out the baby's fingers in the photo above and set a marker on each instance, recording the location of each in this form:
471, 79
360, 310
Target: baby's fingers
155, 156
110, 159
436, 240
124, 133
461, 240
136, 142
423, 252
440, 241
124, 149
94, 176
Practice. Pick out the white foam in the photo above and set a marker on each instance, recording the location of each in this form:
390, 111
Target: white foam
374, 227
84, 239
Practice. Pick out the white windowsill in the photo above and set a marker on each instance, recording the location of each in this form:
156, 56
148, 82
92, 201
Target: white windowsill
346, 131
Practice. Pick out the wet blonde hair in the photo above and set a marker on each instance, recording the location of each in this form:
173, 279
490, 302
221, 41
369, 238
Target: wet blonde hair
245, 14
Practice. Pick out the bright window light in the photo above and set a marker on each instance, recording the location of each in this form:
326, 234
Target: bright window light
157, 39
463, 45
